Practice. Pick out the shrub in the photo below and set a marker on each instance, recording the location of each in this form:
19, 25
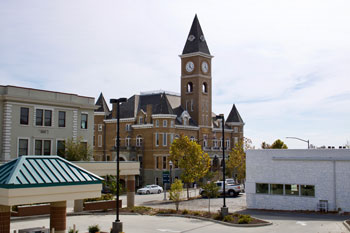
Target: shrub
235, 215
228, 218
140, 209
218, 216
94, 228
185, 211
196, 213
71, 230
244, 219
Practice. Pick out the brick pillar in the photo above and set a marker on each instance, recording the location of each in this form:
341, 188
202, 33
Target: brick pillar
130, 195
78, 205
5, 213
58, 215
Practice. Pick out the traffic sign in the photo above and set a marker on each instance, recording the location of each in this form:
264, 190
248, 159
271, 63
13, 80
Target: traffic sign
166, 177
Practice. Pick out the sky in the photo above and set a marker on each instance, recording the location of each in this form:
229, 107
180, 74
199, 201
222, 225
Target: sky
285, 64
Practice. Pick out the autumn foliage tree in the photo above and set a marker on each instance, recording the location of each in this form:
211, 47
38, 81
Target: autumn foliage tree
237, 158
76, 150
190, 158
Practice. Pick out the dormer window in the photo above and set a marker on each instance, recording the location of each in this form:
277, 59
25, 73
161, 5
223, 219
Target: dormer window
189, 87
205, 87
185, 121
140, 120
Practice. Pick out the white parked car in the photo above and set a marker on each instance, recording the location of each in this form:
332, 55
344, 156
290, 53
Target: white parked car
150, 189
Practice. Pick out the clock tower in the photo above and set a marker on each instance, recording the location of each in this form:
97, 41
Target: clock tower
196, 84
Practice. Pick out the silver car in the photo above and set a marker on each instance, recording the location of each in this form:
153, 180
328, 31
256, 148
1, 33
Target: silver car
150, 189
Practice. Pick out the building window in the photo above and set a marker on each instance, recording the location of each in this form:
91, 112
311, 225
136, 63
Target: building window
172, 123
140, 120
307, 190
84, 121
138, 141
227, 144
276, 189
115, 142
157, 123
177, 136
164, 162
191, 105
42, 147
165, 143
291, 189
61, 119
205, 143
22, 147
192, 139
128, 127
236, 141
157, 139
99, 143
262, 188
127, 141
171, 138
157, 181
99, 127
185, 120
205, 87
43, 117
189, 87
61, 148
157, 162
24, 120
235, 129
215, 144
165, 123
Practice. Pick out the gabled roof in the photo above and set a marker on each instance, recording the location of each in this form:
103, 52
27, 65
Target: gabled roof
43, 171
234, 116
101, 102
196, 41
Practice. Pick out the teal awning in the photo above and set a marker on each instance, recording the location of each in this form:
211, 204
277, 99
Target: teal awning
43, 171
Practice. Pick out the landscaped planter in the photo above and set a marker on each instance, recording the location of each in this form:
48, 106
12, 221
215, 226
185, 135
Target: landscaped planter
30, 210
101, 205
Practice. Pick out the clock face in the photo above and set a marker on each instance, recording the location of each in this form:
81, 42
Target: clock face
189, 66
205, 67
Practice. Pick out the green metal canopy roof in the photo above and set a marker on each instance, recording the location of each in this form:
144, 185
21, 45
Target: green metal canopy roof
43, 171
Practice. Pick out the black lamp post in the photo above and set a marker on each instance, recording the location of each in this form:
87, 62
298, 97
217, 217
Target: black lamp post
171, 167
224, 209
117, 225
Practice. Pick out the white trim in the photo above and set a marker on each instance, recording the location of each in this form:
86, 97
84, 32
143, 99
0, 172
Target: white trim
196, 54
235, 123
220, 130
121, 120
6, 134
194, 76
144, 126
100, 113
168, 116
187, 127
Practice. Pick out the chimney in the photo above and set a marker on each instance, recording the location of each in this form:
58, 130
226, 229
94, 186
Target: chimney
114, 110
149, 113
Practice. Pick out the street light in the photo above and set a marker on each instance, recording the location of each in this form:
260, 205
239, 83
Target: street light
224, 209
117, 225
307, 141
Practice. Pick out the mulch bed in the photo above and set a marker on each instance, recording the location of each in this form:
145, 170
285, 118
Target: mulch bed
233, 218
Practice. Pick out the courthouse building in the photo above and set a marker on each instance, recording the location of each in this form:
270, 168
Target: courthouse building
151, 121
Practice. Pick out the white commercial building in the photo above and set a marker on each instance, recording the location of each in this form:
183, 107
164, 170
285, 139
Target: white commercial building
298, 179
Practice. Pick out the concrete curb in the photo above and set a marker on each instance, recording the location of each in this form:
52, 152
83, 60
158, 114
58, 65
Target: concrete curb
216, 221
347, 225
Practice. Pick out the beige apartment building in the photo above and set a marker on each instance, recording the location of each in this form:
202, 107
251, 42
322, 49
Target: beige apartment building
151, 121
37, 122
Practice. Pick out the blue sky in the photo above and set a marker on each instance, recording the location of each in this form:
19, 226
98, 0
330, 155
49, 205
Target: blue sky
285, 64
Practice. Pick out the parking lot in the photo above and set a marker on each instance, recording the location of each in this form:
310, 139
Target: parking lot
282, 221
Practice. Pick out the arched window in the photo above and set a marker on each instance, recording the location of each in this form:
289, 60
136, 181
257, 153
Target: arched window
139, 141
189, 87
205, 87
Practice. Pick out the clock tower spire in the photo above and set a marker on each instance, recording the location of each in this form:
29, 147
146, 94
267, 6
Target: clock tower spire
196, 89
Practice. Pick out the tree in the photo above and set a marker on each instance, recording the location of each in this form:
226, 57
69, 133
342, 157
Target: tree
237, 158
175, 192
76, 150
189, 157
264, 145
111, 183
278, 144
210, 190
